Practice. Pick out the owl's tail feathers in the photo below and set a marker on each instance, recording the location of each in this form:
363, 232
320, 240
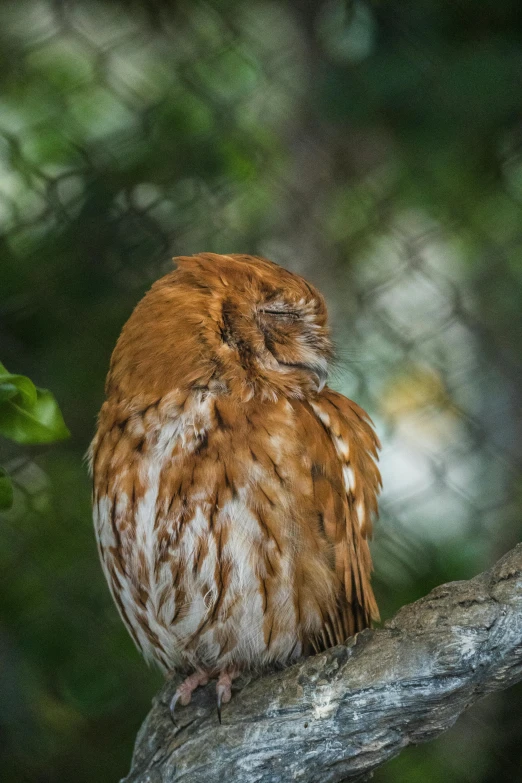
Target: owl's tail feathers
345, 621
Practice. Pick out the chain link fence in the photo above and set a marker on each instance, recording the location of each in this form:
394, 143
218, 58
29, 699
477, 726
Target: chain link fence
375, 149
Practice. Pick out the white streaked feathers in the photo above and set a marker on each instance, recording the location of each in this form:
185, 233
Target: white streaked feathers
199, 585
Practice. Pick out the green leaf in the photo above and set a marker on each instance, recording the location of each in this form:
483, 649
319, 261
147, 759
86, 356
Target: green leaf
6, 491
23, 385
7, 390
28, 414
38, 423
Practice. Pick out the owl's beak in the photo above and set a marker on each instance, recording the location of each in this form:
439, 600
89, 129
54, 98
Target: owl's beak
322, 376
320, 370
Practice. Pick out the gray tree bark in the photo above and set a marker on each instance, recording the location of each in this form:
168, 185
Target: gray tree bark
339, 715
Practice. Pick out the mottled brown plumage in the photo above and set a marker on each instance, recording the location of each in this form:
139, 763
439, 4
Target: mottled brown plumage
233, 491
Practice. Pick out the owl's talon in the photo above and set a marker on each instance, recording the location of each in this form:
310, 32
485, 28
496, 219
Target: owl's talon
172, 706
183, 693
224, 689
223, 697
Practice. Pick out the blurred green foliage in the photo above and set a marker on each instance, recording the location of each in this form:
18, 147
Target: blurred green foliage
27, 415
375, 147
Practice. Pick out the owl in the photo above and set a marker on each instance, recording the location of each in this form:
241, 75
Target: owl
233, 490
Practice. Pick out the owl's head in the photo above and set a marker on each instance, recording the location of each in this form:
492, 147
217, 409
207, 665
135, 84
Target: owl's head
234, 324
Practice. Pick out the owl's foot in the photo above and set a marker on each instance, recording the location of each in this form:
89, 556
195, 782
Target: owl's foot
224, 688
184, 691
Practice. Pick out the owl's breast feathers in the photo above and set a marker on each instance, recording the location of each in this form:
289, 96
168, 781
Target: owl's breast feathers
236, 534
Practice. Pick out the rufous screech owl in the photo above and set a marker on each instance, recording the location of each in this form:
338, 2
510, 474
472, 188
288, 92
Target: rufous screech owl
233, 490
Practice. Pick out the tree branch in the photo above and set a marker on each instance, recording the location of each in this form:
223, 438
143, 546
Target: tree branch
339, 715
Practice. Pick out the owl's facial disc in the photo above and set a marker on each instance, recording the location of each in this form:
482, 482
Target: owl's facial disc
296, 337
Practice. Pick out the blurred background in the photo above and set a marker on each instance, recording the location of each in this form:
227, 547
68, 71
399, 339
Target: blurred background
374, 147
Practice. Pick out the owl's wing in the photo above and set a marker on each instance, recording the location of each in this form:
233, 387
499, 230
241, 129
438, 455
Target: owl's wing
346, 484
